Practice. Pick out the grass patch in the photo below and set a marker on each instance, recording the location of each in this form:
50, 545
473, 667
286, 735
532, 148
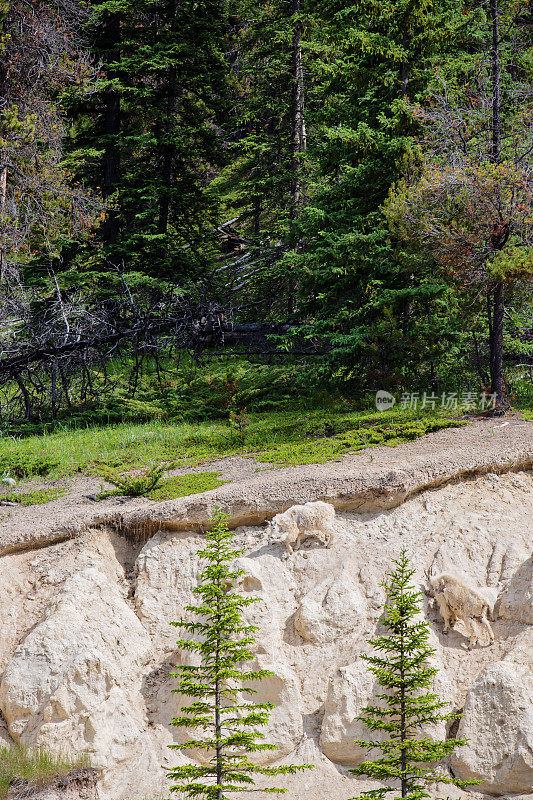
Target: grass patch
182, 485
167, 488
318, 451
37, 498
39, 766
18, 464
134, 446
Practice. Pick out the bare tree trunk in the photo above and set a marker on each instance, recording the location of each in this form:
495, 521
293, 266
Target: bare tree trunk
496, 371
111, 120
168, 148
299, 134
496, 334
496, 102
3, 193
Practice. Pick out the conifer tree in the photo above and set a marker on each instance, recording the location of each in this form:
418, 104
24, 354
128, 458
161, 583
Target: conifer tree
406, 703
228, 725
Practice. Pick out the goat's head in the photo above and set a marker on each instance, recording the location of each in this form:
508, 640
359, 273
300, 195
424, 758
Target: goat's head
432, 582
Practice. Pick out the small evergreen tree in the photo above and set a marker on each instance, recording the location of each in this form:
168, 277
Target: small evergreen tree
229, 726
402, 668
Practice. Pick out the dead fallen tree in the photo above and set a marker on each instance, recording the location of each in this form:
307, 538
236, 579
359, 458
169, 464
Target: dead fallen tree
61, 358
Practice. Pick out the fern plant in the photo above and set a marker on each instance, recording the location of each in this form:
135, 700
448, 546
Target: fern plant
132, 485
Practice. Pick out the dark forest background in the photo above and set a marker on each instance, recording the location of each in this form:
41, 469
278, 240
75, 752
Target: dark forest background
325, 196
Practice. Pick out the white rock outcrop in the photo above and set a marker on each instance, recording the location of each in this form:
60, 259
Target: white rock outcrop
87, 648
516, 601
335, 607
349, 691
498, 723
73, 683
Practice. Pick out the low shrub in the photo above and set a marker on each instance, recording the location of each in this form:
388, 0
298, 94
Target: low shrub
26, 466
131, 485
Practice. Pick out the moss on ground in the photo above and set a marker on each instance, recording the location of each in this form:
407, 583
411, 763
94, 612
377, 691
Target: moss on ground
182, 485
35, 498
318, 451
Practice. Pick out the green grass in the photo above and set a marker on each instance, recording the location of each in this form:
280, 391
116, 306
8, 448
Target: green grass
280, 437
182, 485
36, 498
39, 766
318, 451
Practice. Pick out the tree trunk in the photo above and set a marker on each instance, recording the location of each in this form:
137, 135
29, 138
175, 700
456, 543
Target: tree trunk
403, 732
218, 727
168, 147
299, 135
496, 343
3, 193
498, 303
111, 121
495, 58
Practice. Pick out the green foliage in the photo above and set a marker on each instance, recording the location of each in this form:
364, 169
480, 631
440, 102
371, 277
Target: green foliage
39, 765
318, 451
182, 485
390, 319
163, 70
35, 498
134, 446
132, 485
406, 703
227, 721
20, 465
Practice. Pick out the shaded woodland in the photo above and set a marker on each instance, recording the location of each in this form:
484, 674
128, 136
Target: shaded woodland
342, 188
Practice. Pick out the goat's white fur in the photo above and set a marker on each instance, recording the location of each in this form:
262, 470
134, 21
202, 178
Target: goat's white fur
299, 522
456, 601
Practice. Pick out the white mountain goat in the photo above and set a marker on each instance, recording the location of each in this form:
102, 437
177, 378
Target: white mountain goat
456, 601
299, 522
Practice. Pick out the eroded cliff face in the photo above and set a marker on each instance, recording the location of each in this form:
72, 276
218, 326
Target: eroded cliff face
86, 644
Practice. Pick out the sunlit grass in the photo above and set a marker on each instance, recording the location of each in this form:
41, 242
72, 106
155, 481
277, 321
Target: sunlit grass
37, 498
38, 765
133, 446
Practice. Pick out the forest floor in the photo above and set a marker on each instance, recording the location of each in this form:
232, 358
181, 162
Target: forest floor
71, 502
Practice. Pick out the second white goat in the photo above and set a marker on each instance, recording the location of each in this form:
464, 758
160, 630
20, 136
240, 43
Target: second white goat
300, 521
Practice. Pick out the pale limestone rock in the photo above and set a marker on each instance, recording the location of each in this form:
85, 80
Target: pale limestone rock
350, 690
285, 727
336, 607
73, 683
167, 572
516, 601
498, 723
268, 579
110, 691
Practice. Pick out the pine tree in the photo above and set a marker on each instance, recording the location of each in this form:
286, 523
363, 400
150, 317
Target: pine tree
228, 724
402, 668
147, 139
386, 316
468, 206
